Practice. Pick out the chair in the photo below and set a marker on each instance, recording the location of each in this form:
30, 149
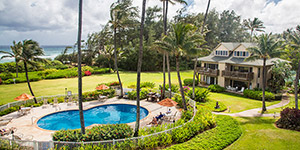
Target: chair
55, 103
45, 103
70, 101
7, 131
102, 98
242, 90
169, 118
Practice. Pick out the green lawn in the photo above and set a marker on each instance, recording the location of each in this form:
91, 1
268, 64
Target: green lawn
57, 86
238, 103
260, 133
291, 104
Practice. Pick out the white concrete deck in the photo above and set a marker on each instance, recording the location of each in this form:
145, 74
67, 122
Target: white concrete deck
27, 128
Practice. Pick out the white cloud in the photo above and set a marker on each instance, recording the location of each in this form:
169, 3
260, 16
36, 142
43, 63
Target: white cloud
55, 21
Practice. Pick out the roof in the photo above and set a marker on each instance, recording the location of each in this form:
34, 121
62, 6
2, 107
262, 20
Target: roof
239, 61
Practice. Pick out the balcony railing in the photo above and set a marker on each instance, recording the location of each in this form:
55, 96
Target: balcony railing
246, 76
208, 71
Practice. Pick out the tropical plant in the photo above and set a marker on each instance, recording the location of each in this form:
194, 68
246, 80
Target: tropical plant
280, 71
16, 52
139, 67
295, 44
267, 47
253, 25
79, 69
181, 41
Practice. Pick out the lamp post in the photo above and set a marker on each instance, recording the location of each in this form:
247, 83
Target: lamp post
66, 89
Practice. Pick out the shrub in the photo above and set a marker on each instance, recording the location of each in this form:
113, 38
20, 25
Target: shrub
87, 68
187, 114
114, 83
188, 82
289, 119
148, 85
96, 133
216, 88
201, 94
9, 110
87, 73
174, 88
46, 72
258, 95
225, 133
0, 81
143, 94
178, 98
93, 95
101, 71
6, 75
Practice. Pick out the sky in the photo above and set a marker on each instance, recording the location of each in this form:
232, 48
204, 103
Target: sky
54, 22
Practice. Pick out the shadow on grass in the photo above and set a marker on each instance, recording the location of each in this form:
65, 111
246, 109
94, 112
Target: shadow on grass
256, 120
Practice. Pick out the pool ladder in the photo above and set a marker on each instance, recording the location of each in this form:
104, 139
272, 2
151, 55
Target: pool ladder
32, 119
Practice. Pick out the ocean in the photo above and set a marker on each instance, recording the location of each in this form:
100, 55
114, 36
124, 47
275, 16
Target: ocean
49, 51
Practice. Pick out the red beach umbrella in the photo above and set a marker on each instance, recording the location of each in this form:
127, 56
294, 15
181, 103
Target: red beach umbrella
168, 102
24, 97
102, 87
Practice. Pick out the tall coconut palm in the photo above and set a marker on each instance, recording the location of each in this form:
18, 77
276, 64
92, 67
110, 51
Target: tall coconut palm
139, 67
30, 52
79, 68
267, 47
182, 41
166, 54
254, 25
196, 60
295, 43
16, 52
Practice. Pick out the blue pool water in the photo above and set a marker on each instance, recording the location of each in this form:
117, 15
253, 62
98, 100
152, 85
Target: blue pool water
104, 114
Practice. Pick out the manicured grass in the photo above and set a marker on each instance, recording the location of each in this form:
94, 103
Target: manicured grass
260, 133
57, 86
238, 103
291, 104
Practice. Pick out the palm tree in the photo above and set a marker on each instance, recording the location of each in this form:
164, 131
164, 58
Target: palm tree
137, 125
182, 41
267, 47
29, 54
254, 25
165, 54
196, 60
295, 43
16, 52
79, 69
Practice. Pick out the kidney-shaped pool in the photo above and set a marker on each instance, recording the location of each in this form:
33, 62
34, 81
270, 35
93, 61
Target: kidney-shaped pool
104, 114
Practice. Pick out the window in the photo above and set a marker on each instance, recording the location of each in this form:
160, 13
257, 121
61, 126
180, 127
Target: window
258, 73
244, 53
234, 53
226, 52
247, 54
221, 52
216, 52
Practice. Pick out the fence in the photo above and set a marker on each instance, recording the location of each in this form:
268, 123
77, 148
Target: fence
44, 145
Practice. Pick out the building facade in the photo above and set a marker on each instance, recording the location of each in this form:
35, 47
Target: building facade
226, 66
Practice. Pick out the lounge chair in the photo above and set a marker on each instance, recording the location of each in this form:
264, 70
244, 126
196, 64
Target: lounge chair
171, 117
70, 101
7, 131
45, 104
102, 98
55, 103
242, 90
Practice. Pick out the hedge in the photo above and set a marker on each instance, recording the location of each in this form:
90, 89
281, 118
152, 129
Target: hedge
143, 94
188, 82
258, 95
216, 88
225, 133
201, 94
96, 133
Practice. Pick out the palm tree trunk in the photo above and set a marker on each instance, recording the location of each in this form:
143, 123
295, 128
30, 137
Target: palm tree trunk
296, 86
17, 67
264, 86
180, 84
79, 69
116, 63
164, 76
28, 82
205, 16
195, 68
169, 75
137, 125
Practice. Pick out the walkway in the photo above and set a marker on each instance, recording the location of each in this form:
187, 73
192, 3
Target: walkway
256, 112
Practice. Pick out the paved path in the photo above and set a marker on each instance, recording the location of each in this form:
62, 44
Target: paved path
256, 112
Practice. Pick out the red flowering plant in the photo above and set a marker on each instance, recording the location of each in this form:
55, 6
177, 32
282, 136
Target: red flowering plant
87, 73
115, 83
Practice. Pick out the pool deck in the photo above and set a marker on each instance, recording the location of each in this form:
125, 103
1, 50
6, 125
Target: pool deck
27, 128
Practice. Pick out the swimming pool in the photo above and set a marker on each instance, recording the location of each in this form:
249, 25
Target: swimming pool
104, 114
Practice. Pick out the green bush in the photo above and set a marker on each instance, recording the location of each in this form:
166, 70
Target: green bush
187, 114
225, 133
101, 71
96, 133
216, 88
9, 110
289, 119
93, 95
188, 82
150, 85
143, 94
174, 88
178, 98
6, 75
258, 95
201, 94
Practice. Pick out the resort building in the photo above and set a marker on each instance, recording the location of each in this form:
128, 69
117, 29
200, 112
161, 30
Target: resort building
226, 67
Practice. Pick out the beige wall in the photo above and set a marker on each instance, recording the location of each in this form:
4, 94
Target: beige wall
221, 80
221, 47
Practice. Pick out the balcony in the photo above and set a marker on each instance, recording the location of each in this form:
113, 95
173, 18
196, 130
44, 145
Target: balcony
208, 71
245, 76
